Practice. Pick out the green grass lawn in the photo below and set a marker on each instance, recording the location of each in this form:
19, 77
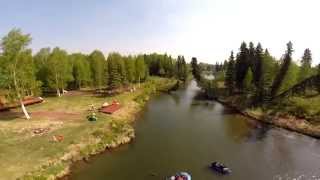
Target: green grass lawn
21, 151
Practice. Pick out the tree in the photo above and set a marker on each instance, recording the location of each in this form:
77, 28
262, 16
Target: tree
269, 69
247, 82
81, 70
195, 69
257, 66
98, 66
140, 69
114, 71
19, 68
242, 65
60, 71
130, 69
306, 61
283, 70
181, 68
230, 74
41, 65
291, 77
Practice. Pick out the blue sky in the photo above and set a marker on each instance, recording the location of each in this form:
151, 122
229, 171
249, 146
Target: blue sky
207, 29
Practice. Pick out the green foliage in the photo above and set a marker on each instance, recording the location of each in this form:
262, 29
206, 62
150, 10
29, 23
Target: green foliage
269, 68
196, 72
80, 70
210, 87
242, 65
257, 67
60, 71
247, 82
130, 69
160, 65
114, 70
230, 74
291, 77
306, 70
140, 69
41, 65
18, 70
181, 69
98, 66
277, 83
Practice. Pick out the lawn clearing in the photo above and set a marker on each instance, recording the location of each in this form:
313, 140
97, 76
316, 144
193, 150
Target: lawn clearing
23, 151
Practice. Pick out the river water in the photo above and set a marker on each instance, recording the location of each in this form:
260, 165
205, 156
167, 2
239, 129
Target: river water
176, 132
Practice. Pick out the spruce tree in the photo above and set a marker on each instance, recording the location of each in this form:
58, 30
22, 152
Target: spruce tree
195, 69
114, 74
241, 66
306, 61
268, 71
247, 82
229, 81
283, 70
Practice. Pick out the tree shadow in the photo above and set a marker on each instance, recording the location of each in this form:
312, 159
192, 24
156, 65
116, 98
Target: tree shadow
9, 115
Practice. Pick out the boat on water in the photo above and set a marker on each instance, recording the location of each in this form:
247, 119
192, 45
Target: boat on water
181, 176
220, 168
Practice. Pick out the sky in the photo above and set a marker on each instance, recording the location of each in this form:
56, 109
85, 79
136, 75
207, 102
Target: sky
206, 29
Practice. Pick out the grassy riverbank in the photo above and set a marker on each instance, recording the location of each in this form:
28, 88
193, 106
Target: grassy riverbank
26, 155
300, 114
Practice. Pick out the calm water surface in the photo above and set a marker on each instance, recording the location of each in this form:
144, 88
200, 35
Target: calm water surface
176, 132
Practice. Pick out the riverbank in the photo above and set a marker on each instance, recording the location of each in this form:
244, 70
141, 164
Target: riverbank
27, 154
277, 118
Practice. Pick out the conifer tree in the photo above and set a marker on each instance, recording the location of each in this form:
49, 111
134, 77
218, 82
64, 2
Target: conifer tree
247, 82
114, 71
306, 61
195, 69
242, 65
229, 80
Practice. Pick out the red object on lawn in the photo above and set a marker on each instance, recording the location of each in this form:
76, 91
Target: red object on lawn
115, 106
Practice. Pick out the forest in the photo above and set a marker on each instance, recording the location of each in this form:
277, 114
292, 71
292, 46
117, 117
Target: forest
253, 78
24, 73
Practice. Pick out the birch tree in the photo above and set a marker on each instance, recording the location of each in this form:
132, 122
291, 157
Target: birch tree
18, 67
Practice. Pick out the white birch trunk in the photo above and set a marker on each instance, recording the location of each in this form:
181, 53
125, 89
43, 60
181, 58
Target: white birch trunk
139, 81
58, 93
26, 114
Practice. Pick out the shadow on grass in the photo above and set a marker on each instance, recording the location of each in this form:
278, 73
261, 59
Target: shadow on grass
10, 115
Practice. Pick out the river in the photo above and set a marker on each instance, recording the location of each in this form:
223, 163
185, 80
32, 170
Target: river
176, 132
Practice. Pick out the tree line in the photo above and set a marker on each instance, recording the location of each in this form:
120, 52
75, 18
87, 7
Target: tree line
24, 74
255, 72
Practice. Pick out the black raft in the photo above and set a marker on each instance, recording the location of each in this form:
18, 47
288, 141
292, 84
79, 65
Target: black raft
220, 168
